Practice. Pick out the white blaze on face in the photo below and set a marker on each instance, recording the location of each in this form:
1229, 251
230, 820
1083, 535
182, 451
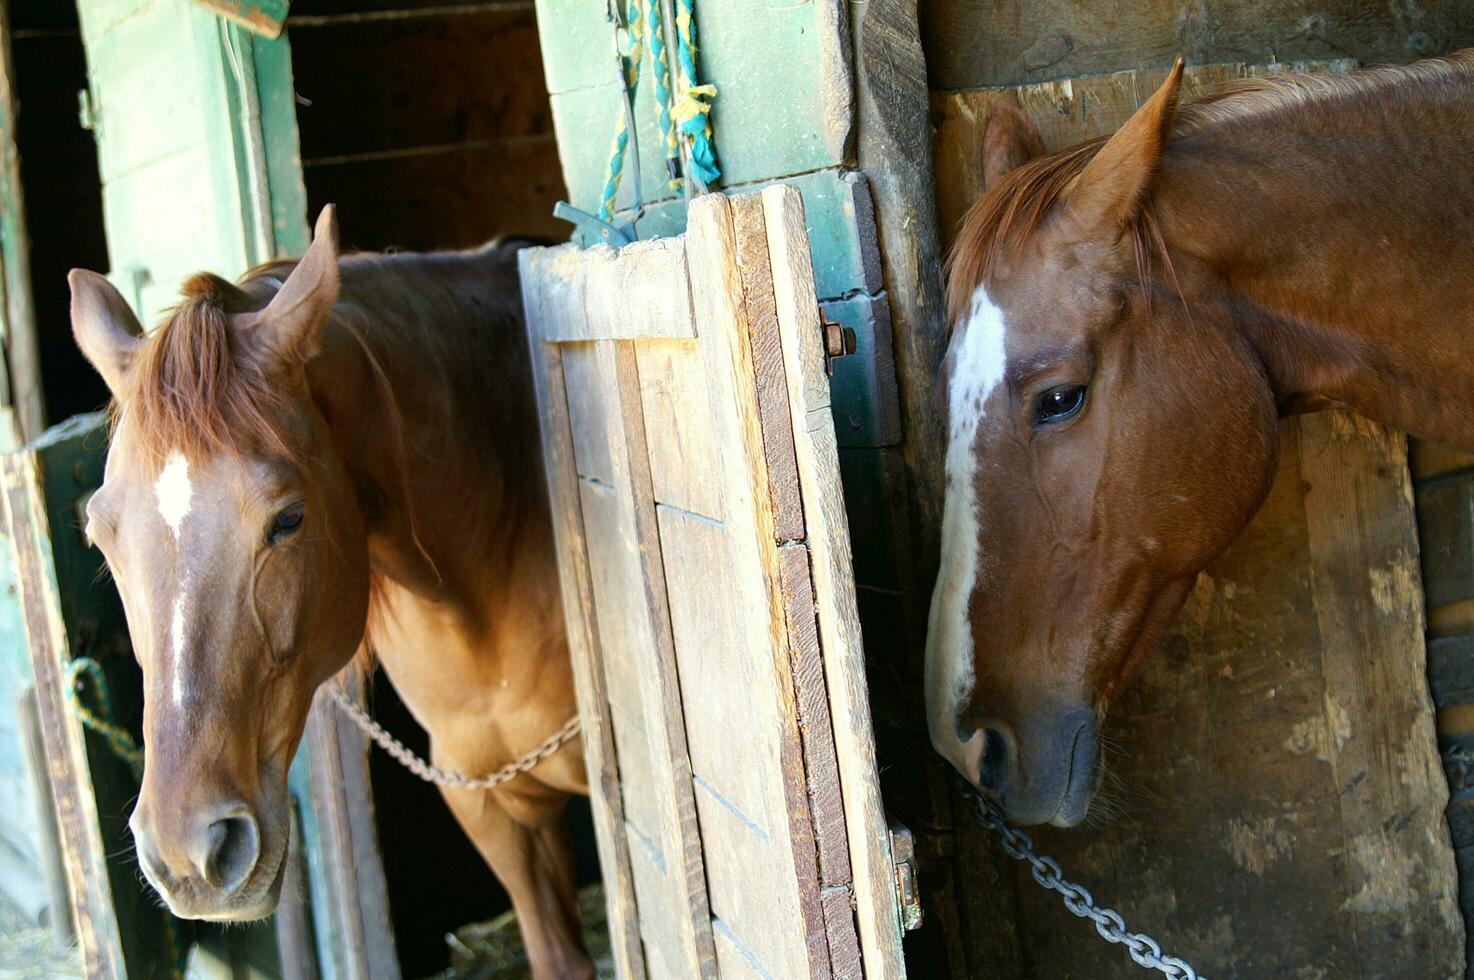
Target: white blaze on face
977, 368
174, 492
174, 495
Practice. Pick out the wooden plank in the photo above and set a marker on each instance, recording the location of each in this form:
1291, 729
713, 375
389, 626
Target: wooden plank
22, 386
838, 618
76, 808
585, 652
459, 75
821, 764
1023, 41
895, 153
445, 196
1363, 554
723, 317
646, 292
355, 871
767, 363
634, 613
736, 735
678, 427
53, 865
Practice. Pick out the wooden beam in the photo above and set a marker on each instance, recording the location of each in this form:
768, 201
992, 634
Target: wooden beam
22, 354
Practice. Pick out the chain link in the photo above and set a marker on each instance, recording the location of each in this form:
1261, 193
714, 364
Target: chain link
1145, 950
434, 774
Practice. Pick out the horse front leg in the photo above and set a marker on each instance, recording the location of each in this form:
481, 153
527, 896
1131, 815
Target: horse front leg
530, 855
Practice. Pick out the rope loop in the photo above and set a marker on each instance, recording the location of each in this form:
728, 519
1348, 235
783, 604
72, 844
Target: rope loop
83, 674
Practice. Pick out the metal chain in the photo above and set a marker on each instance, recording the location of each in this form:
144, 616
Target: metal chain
1145, 950
434, 774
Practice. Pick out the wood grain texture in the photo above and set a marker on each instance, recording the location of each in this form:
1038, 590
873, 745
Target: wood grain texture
629, 590
894, 150
341, 796
827, 532
18, 330
605, 795
1013, 42
724, 314
678, 427
751, 237
29, 531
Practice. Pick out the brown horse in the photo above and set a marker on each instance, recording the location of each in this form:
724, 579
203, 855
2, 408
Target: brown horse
1130, 318
333, 456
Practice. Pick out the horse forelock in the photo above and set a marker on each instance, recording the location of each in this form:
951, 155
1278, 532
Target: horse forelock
195, 391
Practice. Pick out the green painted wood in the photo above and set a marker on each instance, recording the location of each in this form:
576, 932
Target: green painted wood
194, 121
782, 72
862, 389
264, 17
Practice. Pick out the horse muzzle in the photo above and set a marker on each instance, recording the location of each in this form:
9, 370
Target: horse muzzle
1047, 771
211, 862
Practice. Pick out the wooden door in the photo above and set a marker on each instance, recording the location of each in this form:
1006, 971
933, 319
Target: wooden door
706, 574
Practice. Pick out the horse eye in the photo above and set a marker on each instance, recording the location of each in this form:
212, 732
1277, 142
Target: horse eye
284, 525
1058, 404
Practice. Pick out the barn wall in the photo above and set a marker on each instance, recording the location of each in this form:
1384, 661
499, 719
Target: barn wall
971, 44
427, 124
1235, 761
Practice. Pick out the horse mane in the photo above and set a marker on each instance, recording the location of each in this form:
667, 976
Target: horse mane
1015, 207
192, 388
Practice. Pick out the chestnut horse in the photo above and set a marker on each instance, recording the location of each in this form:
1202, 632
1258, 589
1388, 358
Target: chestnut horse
334, 456
1130, 318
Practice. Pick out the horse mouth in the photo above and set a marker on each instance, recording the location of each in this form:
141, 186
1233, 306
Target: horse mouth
1083, 780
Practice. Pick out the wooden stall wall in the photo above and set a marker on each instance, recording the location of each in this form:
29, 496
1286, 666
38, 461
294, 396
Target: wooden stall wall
1278, 795
426, 123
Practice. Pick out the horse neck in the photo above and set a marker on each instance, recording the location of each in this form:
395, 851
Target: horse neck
424, 379
1340, 235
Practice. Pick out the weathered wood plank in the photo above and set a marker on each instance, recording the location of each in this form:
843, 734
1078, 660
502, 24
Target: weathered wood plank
29, 530
341, 797
1013, 42
18, 325
767, 363
820, 760
683, 464
585, 653
827, 533
644, 291
724, 316
634, 612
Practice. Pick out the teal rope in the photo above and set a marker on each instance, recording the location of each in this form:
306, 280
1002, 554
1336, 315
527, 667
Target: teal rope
660, 69
694, 109
84, 672
614, 172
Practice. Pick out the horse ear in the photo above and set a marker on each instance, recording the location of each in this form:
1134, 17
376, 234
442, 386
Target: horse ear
1010, 140
1112, 187
286, 330
104, 326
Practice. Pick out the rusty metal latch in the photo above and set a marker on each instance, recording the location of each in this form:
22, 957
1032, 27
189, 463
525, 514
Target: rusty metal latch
908, 890
839, 341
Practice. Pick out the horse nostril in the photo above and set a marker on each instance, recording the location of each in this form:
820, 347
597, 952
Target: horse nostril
231, 847
990, 769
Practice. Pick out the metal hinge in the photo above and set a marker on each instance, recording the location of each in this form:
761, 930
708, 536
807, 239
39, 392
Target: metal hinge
908, 889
